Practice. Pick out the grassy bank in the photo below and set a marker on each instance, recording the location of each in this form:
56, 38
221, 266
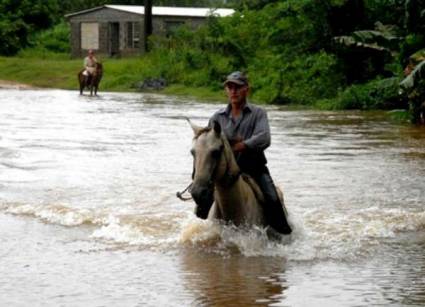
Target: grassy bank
120, 75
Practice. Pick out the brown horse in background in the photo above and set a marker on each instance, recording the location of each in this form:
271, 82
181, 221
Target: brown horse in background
92, 82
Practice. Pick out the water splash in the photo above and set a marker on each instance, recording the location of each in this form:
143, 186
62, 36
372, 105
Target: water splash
58, 214
317, 235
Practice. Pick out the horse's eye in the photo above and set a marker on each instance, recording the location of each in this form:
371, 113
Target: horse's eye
192, 152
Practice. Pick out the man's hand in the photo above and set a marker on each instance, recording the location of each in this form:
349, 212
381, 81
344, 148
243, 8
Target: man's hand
239, 147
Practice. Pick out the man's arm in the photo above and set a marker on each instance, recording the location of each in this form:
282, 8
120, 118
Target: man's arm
211, 121
260, 138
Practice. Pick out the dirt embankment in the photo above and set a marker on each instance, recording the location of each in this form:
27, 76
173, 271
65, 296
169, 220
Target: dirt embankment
4, 84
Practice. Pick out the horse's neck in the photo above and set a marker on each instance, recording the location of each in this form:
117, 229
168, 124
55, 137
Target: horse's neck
230, 187
230, 192
230, 201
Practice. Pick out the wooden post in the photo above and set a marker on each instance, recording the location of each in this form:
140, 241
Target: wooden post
148, 23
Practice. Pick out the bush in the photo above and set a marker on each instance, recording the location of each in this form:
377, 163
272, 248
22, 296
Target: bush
302, 80
377, 94
386, 95
49, 44
55, 39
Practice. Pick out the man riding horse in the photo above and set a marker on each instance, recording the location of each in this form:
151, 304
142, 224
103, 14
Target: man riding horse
91, 74
90, 62
247, 128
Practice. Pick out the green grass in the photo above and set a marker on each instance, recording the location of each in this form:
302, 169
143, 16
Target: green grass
198, 92
120, 75
40, 72
400, 116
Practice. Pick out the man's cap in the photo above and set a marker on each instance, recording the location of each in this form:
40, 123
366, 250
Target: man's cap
236, 77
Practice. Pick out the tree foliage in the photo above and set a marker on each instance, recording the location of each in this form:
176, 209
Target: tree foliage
20, 18
300, 51
304, 50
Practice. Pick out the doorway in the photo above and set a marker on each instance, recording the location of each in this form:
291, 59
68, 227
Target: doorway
114, 39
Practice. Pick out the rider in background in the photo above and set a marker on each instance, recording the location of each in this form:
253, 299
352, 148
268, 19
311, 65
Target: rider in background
89, 65
246, 126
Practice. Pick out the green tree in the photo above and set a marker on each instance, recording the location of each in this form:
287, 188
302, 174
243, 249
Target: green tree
20, 18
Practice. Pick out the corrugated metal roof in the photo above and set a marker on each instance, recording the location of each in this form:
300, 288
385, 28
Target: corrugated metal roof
174, 11
164, 11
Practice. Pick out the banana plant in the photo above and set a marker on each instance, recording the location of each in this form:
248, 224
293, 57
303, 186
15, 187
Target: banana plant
414, 86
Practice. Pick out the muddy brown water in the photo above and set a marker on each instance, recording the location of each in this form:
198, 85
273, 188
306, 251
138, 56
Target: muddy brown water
89, 215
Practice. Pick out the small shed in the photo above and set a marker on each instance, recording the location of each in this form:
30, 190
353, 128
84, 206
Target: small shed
117, 30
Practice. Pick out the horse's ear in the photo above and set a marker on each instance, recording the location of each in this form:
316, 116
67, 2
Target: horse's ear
196, 129
217, 128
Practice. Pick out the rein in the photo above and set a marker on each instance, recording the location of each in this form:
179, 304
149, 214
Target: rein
180, 194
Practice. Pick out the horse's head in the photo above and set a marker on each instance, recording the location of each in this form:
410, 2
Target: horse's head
211, 162
99, 69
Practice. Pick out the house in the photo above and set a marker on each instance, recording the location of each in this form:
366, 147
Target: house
117, 30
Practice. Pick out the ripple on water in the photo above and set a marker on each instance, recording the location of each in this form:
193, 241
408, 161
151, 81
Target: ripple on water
101, 175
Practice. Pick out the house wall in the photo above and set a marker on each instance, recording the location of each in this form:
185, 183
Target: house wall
105, 16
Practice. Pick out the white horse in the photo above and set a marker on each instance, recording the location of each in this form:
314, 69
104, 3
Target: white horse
219, 189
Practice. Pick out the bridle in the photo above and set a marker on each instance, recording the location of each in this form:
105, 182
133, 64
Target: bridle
227, 180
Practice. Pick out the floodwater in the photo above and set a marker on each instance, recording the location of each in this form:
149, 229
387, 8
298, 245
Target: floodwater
89, 216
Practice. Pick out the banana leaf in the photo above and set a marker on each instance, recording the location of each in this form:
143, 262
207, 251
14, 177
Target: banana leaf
413, 80
377, 38
351, 44
417, 57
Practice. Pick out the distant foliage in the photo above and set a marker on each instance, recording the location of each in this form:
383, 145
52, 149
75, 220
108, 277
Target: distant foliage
377, 94
278, 46
13, 35
18, 19
335, 53
55, 39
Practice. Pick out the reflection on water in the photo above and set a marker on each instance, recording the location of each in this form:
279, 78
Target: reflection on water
88, 186
233, 281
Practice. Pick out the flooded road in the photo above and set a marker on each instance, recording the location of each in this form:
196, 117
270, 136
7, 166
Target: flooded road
89, 216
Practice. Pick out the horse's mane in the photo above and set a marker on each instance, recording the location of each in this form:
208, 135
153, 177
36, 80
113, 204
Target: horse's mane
201, 131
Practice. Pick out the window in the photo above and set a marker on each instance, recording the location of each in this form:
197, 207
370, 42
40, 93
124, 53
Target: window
133, 34
172, 26
89, 35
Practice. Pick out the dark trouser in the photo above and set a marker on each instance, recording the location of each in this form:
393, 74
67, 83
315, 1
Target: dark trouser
273, 209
